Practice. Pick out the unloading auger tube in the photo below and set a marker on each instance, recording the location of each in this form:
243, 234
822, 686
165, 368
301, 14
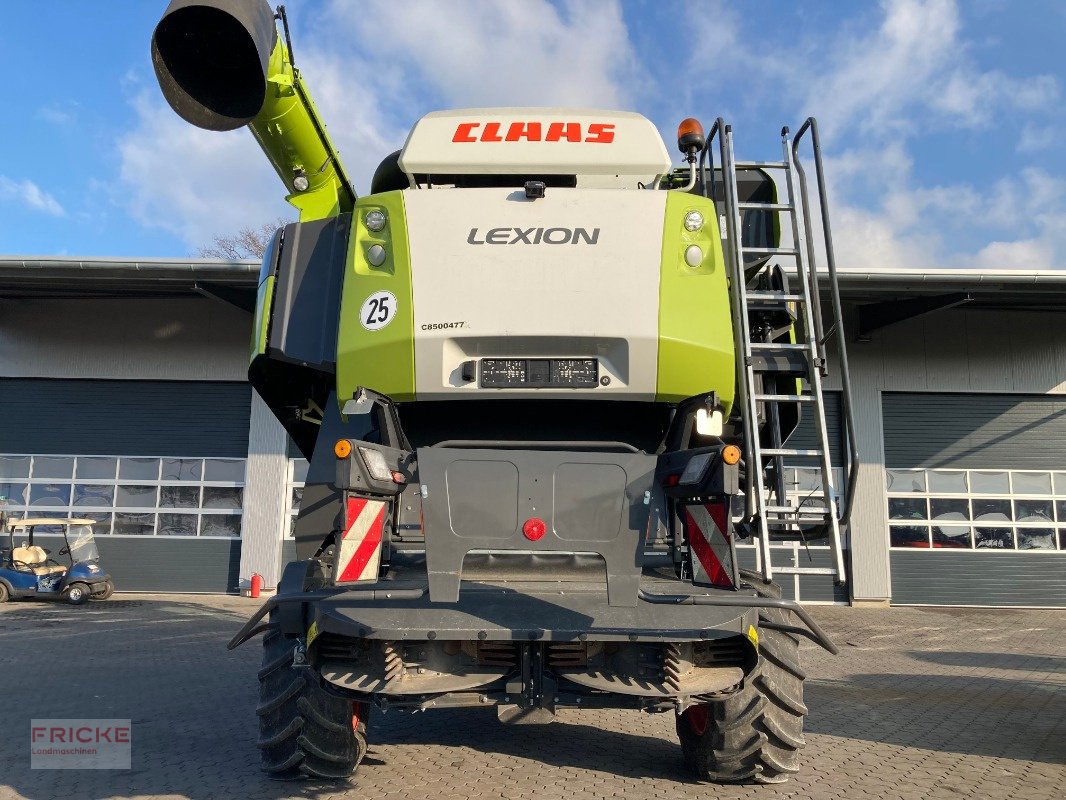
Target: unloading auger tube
221, 65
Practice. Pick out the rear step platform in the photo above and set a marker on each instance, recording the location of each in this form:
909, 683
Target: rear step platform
541, 611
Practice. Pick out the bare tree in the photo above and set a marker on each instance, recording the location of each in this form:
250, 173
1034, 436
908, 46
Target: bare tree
246, 243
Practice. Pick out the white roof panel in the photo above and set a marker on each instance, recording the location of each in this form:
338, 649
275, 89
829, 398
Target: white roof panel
534, 141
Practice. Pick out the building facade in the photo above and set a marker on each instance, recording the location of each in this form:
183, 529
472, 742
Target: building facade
123, 398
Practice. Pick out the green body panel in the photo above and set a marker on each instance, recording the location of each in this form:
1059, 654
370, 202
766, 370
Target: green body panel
696, 351
293, 136
264, 299
382, 360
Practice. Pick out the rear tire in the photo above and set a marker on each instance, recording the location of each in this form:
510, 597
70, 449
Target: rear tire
4, 593
755, 734
303, 730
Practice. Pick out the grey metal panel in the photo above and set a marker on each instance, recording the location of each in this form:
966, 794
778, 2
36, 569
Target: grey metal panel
812, 588
1005, 431
455, 523
197, 339
979, 578
820, 588
307, 298
266, 503
806, 434
780, 557
288, 552
164, 564
172, 418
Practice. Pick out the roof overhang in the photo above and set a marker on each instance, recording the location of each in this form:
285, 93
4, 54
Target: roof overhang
1035, 290
58, 277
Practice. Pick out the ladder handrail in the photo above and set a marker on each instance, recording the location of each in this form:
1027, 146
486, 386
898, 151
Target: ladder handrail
736, 290
811, 124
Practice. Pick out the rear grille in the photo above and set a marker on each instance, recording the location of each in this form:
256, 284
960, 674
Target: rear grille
734, 651
336, 648
497, 654
567, 654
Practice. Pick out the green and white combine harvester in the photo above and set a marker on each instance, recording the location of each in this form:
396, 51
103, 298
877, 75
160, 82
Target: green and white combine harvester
545, 382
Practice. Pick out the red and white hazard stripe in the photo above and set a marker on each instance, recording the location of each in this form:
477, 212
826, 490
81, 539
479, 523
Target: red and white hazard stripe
359, 556
707, 528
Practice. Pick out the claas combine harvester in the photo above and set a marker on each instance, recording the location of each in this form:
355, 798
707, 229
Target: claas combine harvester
546, 383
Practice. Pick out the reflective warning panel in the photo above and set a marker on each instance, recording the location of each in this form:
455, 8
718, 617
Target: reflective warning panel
707, 530
359, 556
619, 147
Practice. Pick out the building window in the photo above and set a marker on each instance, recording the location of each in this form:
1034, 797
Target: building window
294, 490
129, 495
977, 509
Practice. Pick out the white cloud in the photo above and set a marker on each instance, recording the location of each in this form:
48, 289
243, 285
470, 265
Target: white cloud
1035, 138
59, 113
887, 88
915, 61
29, 194
484, 53
193, 183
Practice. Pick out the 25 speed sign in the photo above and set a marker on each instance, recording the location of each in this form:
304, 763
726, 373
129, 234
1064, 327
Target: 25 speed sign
378, 310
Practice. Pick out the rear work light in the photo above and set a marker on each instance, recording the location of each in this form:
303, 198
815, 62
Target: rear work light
376, 465
378, 468
695, 469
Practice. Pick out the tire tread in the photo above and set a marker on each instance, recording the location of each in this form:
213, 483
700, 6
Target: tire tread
304, 732
755, 734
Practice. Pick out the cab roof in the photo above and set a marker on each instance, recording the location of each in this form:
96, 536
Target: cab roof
599, 147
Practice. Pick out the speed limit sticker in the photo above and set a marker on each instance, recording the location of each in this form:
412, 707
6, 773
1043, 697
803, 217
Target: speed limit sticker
378, 310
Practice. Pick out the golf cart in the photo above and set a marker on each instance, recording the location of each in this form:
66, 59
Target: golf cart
28, 570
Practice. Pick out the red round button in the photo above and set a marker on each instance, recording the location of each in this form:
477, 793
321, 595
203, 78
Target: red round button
534, 528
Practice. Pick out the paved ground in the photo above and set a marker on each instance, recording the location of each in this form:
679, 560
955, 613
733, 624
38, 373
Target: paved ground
920, 704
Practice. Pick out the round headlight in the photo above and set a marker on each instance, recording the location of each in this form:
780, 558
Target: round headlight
693, 256
693, 221
375, 220
376, 255
300, 182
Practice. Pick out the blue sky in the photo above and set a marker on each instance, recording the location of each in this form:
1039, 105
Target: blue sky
941, 118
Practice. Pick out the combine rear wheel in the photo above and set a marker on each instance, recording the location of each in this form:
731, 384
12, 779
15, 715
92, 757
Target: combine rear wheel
303, 730
755, 734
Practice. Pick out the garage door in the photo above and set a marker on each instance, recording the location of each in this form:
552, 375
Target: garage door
160, 464
976, 498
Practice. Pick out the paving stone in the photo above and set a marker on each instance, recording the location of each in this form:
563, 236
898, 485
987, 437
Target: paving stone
943, 704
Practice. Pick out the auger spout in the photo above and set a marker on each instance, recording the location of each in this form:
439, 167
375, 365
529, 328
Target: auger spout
221, 65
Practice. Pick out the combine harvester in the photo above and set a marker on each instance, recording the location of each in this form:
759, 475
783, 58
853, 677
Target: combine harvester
545, 383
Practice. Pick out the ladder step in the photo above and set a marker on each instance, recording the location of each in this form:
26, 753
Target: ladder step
777, 346
769, 251
786, 398
802, 510
806, 571
789, 451
764, 206
760, 164
796, 298
787, 362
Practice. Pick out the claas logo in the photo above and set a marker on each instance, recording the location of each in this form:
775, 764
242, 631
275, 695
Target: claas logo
593, 133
